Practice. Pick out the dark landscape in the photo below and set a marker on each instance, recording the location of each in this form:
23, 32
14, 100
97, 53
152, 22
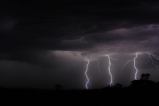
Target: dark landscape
79, 52
143, 91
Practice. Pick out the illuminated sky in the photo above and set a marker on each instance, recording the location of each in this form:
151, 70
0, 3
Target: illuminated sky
46, 43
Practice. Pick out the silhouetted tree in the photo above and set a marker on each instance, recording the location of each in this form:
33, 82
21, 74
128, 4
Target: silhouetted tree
143, 82
145, 76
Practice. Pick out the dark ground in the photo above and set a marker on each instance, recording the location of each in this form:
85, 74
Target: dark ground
100, 97
143, 91
91, 97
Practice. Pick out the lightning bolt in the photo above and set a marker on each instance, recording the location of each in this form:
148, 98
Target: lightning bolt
86, 75
109, 69
150, 55
135, 66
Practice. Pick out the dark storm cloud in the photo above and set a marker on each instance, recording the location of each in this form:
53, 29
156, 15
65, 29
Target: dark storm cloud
33, 25
30, 30
46, 28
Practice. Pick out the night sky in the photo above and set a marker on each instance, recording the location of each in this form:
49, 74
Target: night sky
46, 43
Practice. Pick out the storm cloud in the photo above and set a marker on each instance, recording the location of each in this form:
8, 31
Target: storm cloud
39, 39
